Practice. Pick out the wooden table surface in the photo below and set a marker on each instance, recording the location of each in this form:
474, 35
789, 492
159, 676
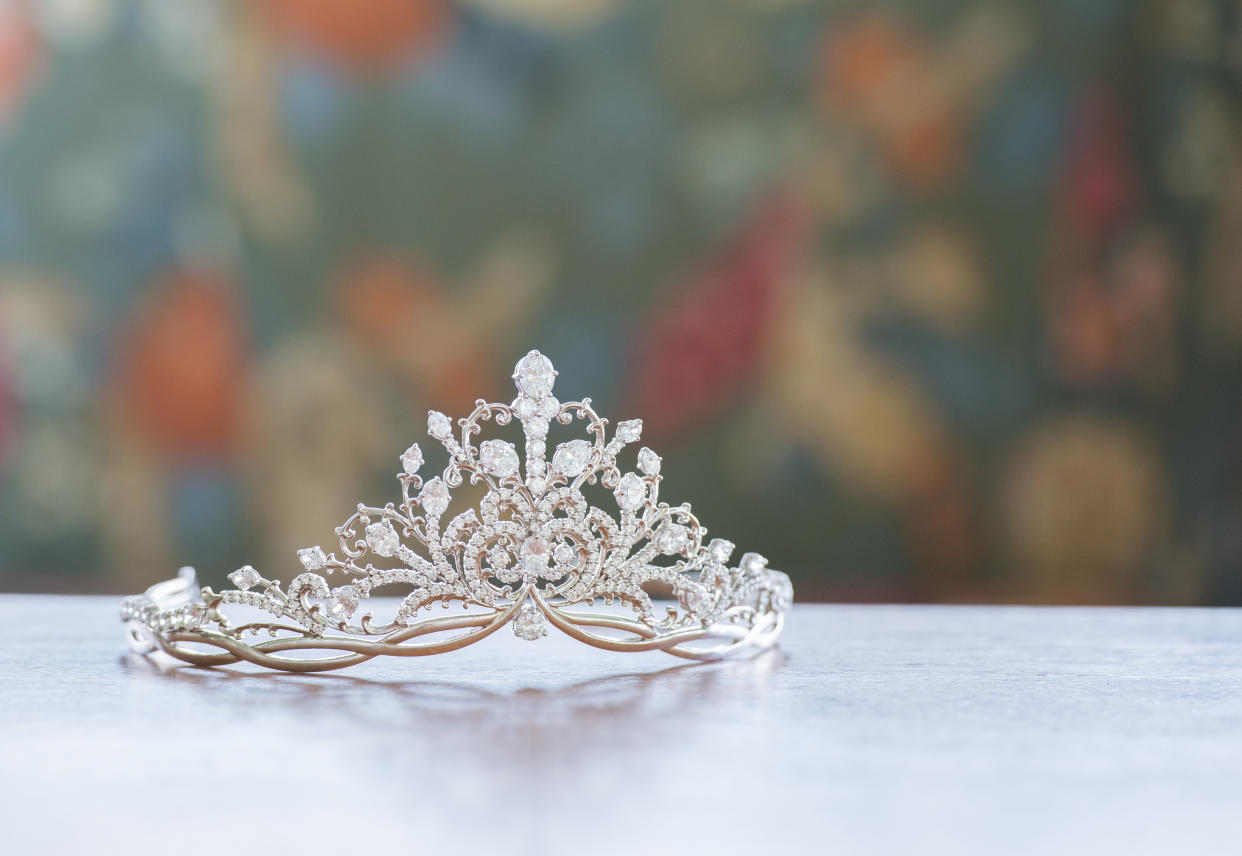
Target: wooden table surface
874, 729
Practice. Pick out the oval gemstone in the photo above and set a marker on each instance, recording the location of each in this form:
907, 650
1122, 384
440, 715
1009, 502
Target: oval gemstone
434, 496
631, 492
412, 459
536, 551
498, 458
382, 538
671, 538
648, 462
534, 375
438, 425
344, 602
571, 458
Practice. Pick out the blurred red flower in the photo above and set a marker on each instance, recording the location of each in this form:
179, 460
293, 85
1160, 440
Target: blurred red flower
20, 54
702, 344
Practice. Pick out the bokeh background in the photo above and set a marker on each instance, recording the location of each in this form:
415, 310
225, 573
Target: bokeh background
925, 301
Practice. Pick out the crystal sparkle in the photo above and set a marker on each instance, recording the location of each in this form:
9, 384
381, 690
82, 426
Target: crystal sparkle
245, 577
312, 558
412, 459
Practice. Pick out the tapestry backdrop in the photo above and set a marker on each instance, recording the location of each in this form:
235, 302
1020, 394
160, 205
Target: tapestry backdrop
923, 301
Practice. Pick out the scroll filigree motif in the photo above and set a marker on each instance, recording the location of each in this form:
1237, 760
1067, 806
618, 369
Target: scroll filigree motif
534, 554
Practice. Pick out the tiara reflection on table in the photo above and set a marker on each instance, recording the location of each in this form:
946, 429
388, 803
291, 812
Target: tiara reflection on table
535, 547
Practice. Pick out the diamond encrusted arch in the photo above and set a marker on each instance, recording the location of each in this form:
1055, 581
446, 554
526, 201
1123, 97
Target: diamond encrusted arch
533, 554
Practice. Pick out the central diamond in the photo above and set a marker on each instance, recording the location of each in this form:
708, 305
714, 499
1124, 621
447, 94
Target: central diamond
536, 552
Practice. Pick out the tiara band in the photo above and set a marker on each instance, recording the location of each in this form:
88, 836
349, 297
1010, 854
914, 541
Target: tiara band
534, 555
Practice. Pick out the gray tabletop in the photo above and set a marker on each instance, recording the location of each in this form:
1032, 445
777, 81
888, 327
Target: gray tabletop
874, 729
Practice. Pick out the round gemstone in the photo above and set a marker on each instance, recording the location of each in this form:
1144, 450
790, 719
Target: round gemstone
312, 558
525, 407
535, 554
694, 598
529, 624
382, 538
498, 458
534, 375
753, 563
434, 496
498, 557
782, 592
245, 577
648, 461
720, 550
571, 458
438, 425
549, 407
344, 602
536, 427
412, 459
196, 614
631, 492
671, 538
466, 520
564, 554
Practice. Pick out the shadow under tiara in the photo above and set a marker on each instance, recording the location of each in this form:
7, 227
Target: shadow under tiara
472, 707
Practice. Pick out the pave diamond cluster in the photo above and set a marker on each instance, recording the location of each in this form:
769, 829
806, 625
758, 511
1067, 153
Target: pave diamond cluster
535, 547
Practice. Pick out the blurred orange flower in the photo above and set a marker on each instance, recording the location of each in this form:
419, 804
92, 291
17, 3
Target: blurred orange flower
915, 94
879, 72
399, 311
183, 364
362, 35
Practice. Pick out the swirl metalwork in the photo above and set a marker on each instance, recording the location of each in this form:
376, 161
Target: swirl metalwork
535, 548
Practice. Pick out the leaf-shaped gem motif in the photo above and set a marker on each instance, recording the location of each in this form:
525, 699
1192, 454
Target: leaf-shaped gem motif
245, 577
648, 462
629, 430
312, 558
412, 459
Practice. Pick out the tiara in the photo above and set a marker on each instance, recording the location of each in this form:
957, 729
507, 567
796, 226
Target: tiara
536, 553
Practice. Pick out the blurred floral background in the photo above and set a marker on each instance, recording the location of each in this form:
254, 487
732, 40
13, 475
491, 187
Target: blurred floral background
925, 301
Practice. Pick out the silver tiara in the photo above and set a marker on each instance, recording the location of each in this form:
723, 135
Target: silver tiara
536, 552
